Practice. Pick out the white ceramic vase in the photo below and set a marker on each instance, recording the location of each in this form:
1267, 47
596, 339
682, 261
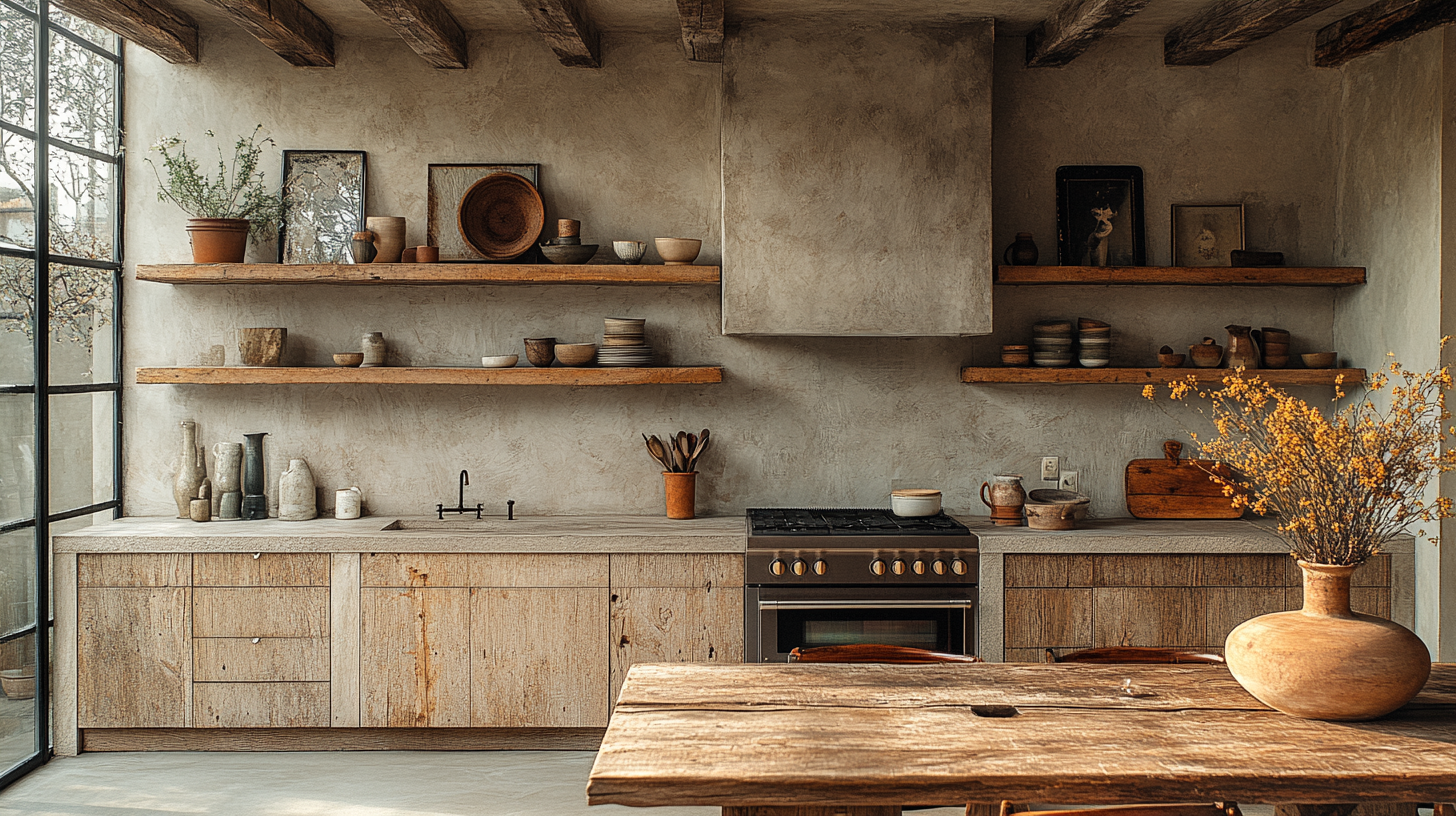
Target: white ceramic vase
297, 500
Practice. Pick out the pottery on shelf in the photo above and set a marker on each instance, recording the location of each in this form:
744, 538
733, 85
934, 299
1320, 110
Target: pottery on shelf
262, 347
1243, 352
568, 228
1325, 661
1005, 496
297, 498
227, 480
218, 240
576, 354
500, 361
1207, 354
540, 351
427, 254
374, 349
1022, 251
349, 359
201, 510
388, 237
1319, 359
629, 252
568, 254
408, 255
348, 503
255, 501
678, 251
191, 470
362, 246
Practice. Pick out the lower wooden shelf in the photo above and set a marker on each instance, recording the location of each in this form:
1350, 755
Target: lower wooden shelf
1348, 377
387, 375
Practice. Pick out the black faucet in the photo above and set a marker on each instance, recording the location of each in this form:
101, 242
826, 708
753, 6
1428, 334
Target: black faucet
460, 508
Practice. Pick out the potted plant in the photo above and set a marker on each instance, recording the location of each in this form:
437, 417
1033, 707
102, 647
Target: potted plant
678, 457
224, 208
1342, 484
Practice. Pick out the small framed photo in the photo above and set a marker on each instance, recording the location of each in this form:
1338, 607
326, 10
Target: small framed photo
323, 205
1205, 234
1100, 216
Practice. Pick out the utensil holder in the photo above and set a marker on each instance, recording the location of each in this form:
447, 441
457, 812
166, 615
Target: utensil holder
681, 493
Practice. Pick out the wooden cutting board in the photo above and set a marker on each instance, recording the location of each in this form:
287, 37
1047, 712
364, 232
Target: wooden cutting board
1174, 488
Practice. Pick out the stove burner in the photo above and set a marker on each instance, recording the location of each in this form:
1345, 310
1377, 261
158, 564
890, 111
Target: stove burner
853, 522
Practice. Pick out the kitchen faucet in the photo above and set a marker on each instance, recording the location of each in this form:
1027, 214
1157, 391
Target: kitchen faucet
460, 508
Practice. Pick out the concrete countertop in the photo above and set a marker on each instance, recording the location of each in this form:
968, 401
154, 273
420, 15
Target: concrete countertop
562, 534
1129, 535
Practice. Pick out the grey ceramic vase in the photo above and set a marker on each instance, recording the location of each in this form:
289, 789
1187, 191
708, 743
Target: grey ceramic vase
191, 470
297, 499
255, 501
227, 480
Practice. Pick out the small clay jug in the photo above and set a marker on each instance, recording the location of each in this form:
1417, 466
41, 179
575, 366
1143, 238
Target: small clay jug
374, 349
1005, 496
1022, 251
1242, 352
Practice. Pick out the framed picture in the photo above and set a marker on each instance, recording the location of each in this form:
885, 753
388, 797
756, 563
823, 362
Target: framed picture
448, 184
1205, 234
323, 205
1100, 216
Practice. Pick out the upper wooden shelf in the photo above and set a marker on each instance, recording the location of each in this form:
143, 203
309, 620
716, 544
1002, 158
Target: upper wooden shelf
390, 375
433, 274
1182, 275
1348, 377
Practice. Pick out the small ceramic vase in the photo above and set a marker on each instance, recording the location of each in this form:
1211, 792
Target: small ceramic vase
227, 479
254, 501
348, 503
297, 499
388, 237
630, 252
201, 510
362, 245
191, 470
374, 348
1021, 252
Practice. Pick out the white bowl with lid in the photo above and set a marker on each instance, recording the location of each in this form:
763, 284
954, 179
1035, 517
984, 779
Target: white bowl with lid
914, 502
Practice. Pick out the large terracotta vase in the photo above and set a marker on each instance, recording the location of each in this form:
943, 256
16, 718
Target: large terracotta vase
218, 240
1326, 662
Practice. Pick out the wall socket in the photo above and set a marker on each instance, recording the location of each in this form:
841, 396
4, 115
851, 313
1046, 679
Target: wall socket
1050, 467
1068, 481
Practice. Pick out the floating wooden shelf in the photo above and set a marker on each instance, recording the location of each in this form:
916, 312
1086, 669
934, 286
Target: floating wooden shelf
1181, 275
387, 375
433, 274
1348, 377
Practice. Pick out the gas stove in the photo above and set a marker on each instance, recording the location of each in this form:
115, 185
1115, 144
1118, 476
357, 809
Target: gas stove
857, 546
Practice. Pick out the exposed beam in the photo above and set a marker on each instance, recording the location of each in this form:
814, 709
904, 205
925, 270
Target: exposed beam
1231, 26
1377, 26
285, 26
428, 27
702, 29
1073, 27
164, 31
565, 27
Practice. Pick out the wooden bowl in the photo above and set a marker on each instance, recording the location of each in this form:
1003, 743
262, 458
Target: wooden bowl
678, 251
501, 216
540, 351
348, 359
1321, 359
1206, 356
1276, 360
1171, 360
576, 354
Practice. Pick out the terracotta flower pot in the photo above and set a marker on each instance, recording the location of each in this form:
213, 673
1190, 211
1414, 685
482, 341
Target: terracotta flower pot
1326, 662
681, 494
218, 240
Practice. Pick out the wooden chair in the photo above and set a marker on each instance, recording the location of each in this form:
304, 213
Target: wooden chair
1133, 654
874, 653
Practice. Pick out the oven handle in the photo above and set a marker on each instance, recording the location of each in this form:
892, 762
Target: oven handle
866, 604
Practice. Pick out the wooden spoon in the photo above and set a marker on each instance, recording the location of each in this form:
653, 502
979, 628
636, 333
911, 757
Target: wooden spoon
658, 451
702, 445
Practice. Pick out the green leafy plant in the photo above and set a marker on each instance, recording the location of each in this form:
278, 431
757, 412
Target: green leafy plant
236, 191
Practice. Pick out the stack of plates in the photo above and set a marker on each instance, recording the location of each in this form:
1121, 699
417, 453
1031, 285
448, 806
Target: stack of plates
624, 343
1051, 343
1094, 343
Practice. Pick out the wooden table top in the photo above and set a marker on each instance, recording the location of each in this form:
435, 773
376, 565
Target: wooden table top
687, 734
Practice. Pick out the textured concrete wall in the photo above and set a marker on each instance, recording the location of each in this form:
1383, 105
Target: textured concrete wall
634, 149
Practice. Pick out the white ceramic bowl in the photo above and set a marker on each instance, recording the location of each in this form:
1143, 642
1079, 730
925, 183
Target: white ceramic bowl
915, 502
503, 361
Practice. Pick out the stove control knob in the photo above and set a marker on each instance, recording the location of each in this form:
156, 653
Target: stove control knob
958, 566
937, 566
798, 567
820, 567
877, 567
897, 566
776, 566
918, 567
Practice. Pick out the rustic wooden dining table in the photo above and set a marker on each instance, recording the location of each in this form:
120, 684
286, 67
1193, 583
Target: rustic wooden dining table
792, 740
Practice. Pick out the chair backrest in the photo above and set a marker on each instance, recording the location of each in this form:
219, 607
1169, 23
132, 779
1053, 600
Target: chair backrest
1133, 654
874, 653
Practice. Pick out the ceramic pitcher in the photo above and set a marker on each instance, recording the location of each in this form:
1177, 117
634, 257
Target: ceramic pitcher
1242, 350
1005, 496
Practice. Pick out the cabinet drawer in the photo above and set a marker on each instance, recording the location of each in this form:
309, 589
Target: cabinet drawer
689, 571
414, 570
538, 570
234, 660
267, 612
133, 569
260, 569
260, 705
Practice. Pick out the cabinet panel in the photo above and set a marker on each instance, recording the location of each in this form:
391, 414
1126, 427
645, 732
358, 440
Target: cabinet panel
1048, 618
674, 625
415, 569
415, 657
1150, 616
134, 658
281, 612
133, 570
1243, 570
234, 660
1048, 570
702, 570
539, 657
1145, 570
261, 705
260, 569
538, 570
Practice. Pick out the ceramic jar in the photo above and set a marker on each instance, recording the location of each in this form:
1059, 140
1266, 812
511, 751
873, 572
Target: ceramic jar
348, 503
227, 480
388, 237
374, 348
255, 501
1022, 251
362, 247
191, 470
1005, 496
297, 499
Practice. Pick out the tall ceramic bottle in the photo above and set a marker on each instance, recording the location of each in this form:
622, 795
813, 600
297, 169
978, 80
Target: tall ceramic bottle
297, 499
191, 470
255, 501
227, 482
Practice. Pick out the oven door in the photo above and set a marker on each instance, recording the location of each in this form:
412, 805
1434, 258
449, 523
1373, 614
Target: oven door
780, 618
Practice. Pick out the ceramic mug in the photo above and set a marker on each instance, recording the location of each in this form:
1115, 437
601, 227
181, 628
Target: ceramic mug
348, 503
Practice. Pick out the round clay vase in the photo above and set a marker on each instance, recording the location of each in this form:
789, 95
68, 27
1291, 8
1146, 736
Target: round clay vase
1022, 251
681, 490
1326, 662
218, 240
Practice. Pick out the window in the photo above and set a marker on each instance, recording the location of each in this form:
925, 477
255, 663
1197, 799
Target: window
60, 277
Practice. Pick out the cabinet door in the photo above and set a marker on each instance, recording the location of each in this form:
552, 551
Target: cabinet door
674, 625
539, 657
415, 657
134, 656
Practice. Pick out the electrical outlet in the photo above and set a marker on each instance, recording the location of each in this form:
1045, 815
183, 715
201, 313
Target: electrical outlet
1068, 481
1050, 467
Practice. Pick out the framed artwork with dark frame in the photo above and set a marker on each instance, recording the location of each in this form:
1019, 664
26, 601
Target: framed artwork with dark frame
1100, 216
323, 205
1205, 234
447, 185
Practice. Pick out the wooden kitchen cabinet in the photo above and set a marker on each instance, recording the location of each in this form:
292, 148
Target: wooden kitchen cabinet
414, 667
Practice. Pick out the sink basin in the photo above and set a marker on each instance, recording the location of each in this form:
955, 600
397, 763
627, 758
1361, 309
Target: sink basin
468, 524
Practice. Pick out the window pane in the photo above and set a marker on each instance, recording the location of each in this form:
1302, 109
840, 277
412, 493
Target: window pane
17, 457
17, 69
81, 325
82, 94
17, 288
81, 197
88, 31
81, 449
17, 179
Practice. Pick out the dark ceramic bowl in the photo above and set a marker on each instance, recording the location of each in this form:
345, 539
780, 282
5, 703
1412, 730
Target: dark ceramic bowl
568, 254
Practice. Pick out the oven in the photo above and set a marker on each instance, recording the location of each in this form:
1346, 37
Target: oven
780, 618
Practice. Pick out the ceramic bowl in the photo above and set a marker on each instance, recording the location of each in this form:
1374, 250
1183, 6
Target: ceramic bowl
568, 254
1171, 360
1050, 516
348, 359
1276, 361
1045, 327
540, 351
500, 361
678, 251
1206, 356
1093, 362
576, 354
1320, 359
915, 502
630, 252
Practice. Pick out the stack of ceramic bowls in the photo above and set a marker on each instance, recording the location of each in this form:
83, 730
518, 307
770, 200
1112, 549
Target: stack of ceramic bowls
1051, 343
1094, 343
624, 343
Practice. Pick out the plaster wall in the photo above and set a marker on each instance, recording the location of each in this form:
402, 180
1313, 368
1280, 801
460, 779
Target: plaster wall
632, 150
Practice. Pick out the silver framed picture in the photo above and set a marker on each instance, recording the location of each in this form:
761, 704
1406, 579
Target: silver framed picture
323, 205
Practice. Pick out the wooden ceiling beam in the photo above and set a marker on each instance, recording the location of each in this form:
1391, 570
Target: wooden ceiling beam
1072, 29
427, 27
287, 27
1377, 26
702, 29
568, 31
164, 31
1231, 26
